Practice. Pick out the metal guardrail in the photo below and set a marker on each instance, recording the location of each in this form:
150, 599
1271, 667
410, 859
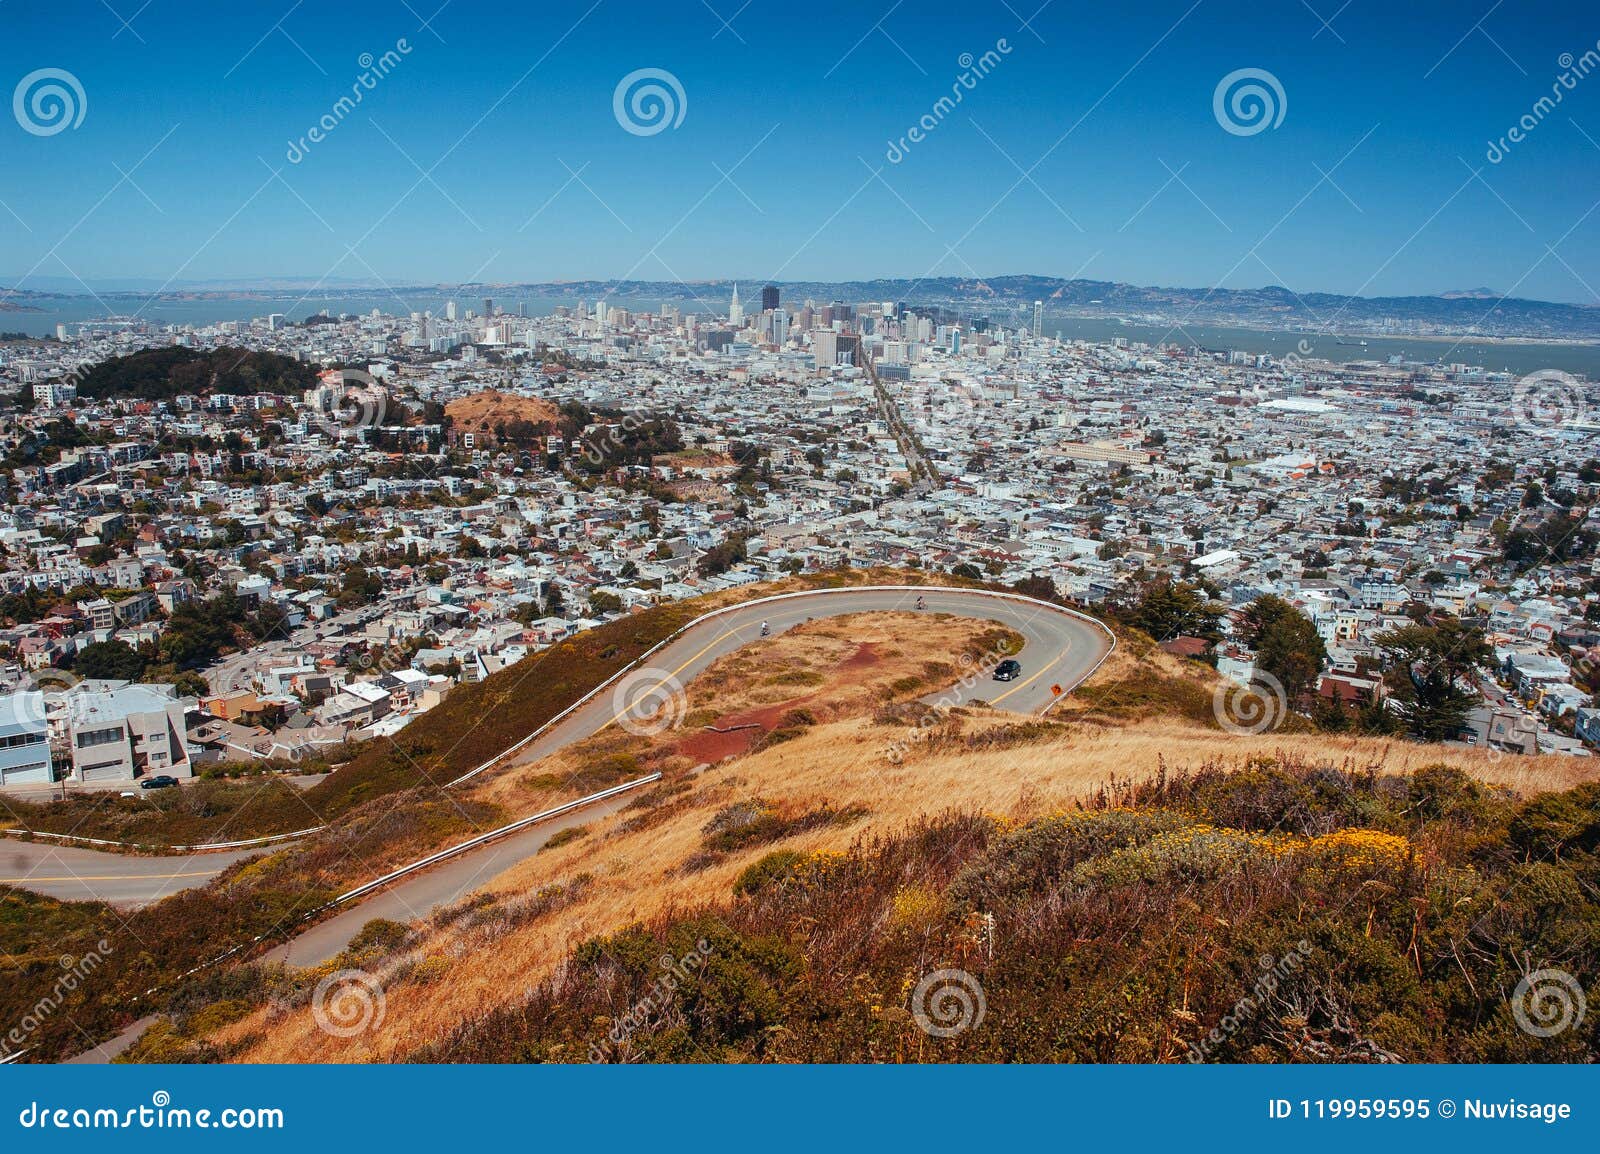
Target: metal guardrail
247, 843
540, 731
743, 605
413, 867
492, 835
522, 823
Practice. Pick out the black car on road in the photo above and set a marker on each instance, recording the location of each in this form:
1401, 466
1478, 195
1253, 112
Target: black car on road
1007, 670
159, 781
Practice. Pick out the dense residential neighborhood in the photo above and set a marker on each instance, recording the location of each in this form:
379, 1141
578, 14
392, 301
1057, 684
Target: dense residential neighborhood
254, 542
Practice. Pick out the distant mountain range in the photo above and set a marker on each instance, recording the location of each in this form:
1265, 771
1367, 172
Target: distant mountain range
1478, 311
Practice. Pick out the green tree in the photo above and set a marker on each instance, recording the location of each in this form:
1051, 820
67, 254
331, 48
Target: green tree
109, 661
360, 586
1037, 587
1287, 644
1558, 539
1167, 609
199, 630
1433, 674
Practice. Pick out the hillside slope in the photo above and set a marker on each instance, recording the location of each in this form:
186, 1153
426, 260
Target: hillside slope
1109, 879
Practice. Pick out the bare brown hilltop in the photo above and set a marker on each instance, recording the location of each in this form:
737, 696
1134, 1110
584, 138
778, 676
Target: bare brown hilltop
492, 414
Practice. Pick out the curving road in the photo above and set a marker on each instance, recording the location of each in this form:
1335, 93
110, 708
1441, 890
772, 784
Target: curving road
1059, 650
71, 874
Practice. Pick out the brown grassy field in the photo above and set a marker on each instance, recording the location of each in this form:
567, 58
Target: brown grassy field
850, 777
482, 413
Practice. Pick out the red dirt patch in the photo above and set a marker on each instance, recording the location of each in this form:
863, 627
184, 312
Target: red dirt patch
708, 746
747, 728
866, 655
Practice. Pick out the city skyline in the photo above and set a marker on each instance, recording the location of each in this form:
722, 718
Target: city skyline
1395, 156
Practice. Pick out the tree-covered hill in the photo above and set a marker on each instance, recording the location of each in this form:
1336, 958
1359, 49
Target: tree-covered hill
159, 374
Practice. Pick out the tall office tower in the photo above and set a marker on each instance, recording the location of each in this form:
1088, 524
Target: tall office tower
1038, 318
449, 310
735, 309
779, 320
522, 308
600, 312
427, 326
825, 348
488, 306
769, 298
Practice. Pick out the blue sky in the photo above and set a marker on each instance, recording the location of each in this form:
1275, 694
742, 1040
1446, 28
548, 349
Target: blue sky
790, 110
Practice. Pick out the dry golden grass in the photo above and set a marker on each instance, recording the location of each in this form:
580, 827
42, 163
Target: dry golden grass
636, 874
840, 665
832, 668
481, 412
984, 760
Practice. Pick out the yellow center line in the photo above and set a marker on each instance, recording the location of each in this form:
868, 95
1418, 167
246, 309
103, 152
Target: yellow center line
726, 633
1056, 660
612, 720
25, 881
1024, 684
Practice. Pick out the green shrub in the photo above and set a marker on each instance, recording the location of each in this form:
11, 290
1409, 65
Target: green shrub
565, 837
773, 869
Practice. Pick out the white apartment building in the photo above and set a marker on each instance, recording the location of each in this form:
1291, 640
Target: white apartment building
126, 733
